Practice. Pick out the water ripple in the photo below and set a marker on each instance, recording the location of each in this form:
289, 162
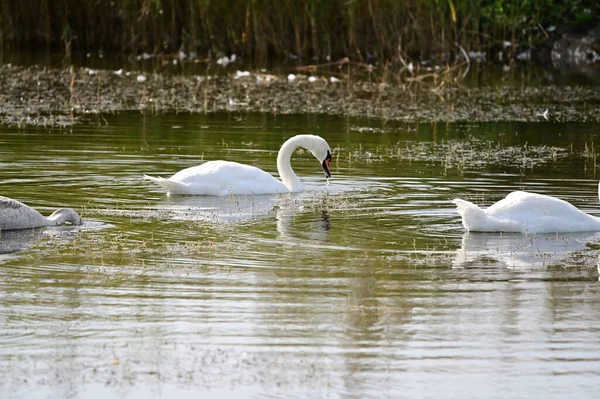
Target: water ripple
352, 288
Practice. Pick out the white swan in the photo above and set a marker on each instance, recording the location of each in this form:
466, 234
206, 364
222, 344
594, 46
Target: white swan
224, 177
526, 213
15, 215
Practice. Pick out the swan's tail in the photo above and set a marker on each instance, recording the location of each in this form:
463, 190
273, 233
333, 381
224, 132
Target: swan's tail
172, 187
473, 217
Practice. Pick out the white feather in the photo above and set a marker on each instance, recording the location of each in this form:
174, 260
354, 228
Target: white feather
15, 215
225, 177
525, 212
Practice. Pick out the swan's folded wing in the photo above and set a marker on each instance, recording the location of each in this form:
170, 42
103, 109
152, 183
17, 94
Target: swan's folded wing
16, 215
230, 177
538, 213
6, 203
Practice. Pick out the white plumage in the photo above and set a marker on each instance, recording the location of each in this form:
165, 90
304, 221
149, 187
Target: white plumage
525, 212
15, 215
225, 177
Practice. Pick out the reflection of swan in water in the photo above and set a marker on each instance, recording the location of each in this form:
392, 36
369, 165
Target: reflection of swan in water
519, 250
13, 241
222, 178
19, 240
526, 212
316, 229
213, 209
220, 209
15, 215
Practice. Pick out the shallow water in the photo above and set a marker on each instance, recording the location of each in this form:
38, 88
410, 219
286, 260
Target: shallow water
363, 287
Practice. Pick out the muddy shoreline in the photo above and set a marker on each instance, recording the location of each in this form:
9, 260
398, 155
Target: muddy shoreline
61, 97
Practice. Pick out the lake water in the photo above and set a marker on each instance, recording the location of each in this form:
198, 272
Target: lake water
363, 287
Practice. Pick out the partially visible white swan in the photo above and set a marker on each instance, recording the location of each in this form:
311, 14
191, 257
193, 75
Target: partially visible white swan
225, 177
526, 213
15, 215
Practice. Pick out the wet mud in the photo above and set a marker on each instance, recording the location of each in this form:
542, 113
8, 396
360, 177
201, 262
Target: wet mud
44, 96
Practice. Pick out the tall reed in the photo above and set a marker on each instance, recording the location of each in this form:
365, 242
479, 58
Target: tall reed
267, 30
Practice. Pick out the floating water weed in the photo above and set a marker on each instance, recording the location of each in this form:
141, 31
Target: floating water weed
461, 155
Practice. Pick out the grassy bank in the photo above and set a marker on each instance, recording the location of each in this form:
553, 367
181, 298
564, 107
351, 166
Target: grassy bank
272, 30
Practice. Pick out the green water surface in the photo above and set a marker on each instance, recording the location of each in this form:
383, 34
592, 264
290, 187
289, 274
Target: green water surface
365, 286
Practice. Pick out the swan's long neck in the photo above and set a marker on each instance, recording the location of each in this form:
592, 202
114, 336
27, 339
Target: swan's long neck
284, 167
64, 215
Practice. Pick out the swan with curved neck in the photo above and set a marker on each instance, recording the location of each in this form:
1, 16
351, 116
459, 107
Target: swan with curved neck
15, 215
225, 177
523, 212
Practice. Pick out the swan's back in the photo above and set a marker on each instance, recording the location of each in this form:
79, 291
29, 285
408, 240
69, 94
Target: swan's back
220, 170
222, 178
521, 211
531, 203
15, 215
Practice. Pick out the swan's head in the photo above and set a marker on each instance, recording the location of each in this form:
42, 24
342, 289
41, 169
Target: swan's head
321, 150
65, 215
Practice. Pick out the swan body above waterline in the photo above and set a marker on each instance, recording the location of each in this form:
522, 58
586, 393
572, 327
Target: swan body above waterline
524, 212
225, 177
15, 215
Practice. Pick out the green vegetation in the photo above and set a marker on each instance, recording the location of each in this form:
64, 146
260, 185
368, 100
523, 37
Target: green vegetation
270, 30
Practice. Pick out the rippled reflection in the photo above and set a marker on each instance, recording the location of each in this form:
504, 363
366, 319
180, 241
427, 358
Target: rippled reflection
14, 241
358, 288
19, 240
520, 250
218, 209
